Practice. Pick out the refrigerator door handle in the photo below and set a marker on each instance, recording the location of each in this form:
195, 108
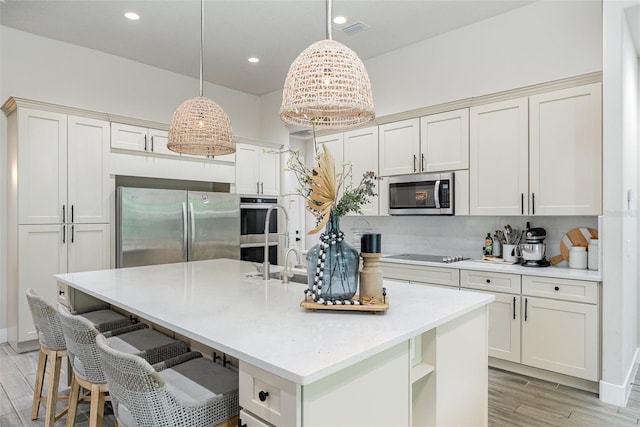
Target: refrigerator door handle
192, 214
184, 227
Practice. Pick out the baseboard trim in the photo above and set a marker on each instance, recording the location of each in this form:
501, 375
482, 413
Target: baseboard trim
616, 394
3, 336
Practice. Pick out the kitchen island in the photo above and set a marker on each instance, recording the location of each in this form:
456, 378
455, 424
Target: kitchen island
423, 362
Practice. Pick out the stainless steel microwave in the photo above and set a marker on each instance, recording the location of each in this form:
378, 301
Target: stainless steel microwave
422, 194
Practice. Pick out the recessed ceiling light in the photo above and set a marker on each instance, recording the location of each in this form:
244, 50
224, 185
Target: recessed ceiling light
340, 20
254, 59
132, 15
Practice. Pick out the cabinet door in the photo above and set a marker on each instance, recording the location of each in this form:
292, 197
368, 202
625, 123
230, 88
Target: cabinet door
158, 142
42, 167
247, 169
560, 336
88, 247
42, 253
566, 152
444, 141
399, 147
127, 137
88, 178
269, 172
498, 163
335, 145
504, 327
361, 150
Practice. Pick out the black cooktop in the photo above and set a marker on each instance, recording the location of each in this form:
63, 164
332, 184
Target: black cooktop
427, 258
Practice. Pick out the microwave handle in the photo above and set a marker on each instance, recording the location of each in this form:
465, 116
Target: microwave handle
436, 194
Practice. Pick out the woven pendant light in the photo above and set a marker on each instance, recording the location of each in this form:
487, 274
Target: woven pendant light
199, 125
327, 87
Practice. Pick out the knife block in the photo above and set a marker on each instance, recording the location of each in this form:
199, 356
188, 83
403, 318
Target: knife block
371, 277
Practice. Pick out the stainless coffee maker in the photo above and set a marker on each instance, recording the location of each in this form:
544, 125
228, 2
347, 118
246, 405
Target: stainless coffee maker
534, 250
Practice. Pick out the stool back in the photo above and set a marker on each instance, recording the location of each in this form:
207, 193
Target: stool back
134, 383
80, 335
46, 321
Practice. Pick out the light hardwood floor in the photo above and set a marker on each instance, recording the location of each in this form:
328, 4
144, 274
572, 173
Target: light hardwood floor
514, 400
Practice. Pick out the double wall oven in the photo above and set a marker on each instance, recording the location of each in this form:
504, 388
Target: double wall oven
253, 213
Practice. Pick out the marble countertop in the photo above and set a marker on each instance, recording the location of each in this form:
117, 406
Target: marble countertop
551, 271
262, 323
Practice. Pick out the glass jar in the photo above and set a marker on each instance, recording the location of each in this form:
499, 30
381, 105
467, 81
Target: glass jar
332, 265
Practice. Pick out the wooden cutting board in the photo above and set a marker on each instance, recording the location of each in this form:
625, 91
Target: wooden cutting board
575, 237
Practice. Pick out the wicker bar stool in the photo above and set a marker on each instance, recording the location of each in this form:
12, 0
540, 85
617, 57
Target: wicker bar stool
188, 391
80, 336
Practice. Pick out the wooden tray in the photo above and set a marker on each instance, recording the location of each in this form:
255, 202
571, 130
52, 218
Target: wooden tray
309, 304
575, 237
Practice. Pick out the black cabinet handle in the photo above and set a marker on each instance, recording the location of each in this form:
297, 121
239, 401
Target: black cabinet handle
60, 292
422, 170
488, 280
64, 215
263, 395
414, 163
73, 232
522, 203
71, 213
533, 203
64, 234
526, 302
514, 308
557, 288
152, 143
145, 143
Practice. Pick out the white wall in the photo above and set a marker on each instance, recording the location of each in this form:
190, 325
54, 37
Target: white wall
46, 70
620, 219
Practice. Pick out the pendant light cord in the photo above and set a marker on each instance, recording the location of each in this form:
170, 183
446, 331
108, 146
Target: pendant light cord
201, 42
329, 34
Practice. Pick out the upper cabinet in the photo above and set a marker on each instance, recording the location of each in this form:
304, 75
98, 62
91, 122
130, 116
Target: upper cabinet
399, 147
335, 145
136, 138
257, 170
565, 151
498, 169
61, 163
540, 155
361, 151
434, 143
444, 141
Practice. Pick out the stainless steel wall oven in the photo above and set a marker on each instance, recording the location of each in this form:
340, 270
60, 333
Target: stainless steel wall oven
253, 211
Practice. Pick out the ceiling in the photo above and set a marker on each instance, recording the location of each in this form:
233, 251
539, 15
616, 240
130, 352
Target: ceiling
167, 35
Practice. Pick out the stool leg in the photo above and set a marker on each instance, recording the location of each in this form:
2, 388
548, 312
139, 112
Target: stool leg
97, 400
52, 394
37, 392
73, 401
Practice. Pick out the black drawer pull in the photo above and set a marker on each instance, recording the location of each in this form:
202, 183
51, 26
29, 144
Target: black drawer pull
263, 395
488, 280
557, 288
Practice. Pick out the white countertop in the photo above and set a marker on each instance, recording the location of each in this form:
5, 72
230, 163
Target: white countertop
551, 271
213, 302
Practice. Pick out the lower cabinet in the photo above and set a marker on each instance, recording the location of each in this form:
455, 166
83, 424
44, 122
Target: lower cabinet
544, 323
421, 274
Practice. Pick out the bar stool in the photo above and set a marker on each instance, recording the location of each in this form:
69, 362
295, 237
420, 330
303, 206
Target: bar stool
80, 333
53, 347
187, 391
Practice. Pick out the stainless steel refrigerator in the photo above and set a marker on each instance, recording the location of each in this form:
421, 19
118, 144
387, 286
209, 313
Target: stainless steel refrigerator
155, 226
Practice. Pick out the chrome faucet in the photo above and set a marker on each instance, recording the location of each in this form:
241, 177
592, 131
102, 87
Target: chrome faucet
287, 274
266, 271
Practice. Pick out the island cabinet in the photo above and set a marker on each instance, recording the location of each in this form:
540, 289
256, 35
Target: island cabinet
538, 155
59, 205
257, 170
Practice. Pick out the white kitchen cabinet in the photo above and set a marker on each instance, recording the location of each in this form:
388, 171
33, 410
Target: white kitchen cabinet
257, 170
361, 150
137, 138
565, 151
61, 164
498, 165
421, 274
399, 147
335, 145
444, 141
504, 312
45, 250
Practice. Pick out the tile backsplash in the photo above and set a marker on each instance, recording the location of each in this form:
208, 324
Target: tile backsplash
444, 235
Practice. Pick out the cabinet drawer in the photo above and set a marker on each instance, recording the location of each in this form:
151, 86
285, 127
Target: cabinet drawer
268, 396
562, 289
63, 294
485, 281
421, 274
248, 420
